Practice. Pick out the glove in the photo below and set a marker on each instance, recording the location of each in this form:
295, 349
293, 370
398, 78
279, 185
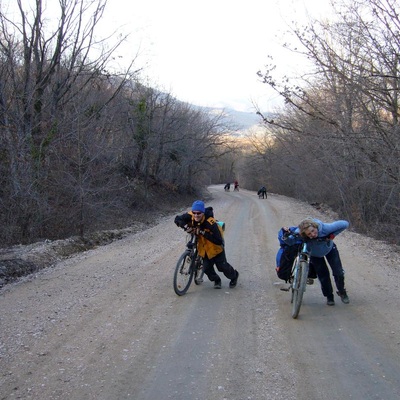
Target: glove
177, 221
289, 236
286, 233
331, 236
182, 220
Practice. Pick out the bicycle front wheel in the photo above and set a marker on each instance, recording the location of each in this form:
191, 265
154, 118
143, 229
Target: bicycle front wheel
299, 287
183, 274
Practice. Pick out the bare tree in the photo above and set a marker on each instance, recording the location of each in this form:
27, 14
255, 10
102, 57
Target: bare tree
346, 109
42, 73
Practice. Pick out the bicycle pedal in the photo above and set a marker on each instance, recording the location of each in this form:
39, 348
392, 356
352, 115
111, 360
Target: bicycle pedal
284, 289
199, 280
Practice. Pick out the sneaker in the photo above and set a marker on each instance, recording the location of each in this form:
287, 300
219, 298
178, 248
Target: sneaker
312, 274
310, 281
330, 301
233, 282
217, 284
344, 297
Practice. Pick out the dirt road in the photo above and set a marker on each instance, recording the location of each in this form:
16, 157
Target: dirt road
107, 324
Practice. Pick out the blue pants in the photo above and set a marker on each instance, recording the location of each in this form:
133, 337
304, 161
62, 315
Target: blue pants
323, 274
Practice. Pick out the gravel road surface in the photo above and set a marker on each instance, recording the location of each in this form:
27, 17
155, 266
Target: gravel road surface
106, 324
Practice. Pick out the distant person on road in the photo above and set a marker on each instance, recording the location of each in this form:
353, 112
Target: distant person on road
227, 187
236, 186
311, 229
262, 192
210, 243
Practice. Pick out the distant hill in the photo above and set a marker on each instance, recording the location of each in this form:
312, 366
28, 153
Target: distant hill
245, 120
241, 119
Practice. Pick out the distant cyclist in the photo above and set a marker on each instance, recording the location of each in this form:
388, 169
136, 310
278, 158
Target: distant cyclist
262, 192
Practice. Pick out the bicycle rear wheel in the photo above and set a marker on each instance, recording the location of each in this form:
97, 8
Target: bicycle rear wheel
183, 274
299, 286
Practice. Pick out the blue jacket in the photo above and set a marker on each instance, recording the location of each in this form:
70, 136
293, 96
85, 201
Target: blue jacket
320, 248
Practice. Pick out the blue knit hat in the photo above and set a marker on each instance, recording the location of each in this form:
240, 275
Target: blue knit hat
198, 205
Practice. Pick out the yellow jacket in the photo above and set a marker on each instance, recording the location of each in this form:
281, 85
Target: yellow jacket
210, 241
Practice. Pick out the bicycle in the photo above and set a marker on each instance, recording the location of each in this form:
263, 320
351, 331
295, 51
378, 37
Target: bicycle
189, 266
299, 274
298, 278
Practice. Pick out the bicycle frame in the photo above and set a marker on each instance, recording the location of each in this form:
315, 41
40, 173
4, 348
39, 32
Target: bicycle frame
298, 279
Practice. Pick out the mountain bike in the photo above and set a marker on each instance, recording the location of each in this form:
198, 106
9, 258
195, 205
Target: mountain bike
298, 278
188, 267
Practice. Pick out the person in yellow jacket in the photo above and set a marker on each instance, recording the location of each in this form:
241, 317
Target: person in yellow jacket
210, 243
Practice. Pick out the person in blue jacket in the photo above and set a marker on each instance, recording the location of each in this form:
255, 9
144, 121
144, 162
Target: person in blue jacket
312, 228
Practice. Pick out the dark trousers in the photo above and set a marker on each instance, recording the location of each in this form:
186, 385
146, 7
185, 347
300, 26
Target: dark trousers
323, 274
222, 265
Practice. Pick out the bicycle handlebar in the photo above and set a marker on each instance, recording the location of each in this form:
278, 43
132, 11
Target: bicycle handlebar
297, 236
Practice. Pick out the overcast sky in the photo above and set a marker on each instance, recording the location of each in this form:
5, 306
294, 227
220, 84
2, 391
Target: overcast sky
207, 52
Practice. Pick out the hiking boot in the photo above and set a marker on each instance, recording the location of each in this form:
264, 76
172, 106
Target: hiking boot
233, 282
217, 284
330, 301
344, 297
310, 281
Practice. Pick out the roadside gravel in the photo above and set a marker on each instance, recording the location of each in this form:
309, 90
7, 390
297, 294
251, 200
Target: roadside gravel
106, 324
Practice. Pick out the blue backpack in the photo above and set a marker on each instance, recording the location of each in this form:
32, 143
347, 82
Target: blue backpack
288, 254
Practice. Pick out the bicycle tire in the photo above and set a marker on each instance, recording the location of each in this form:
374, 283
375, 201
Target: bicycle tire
183, 274
293, 276
299, 287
